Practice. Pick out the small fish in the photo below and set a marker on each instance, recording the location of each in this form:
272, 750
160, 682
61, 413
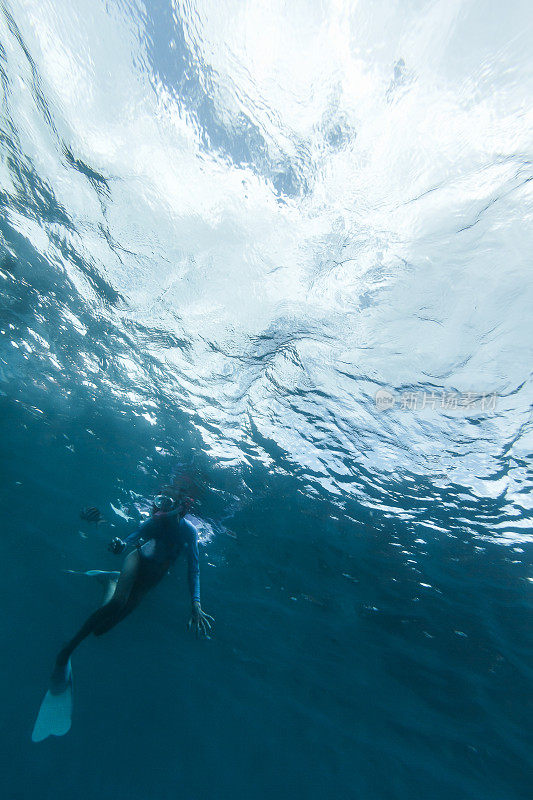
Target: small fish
350, 577
120, 513
91, 514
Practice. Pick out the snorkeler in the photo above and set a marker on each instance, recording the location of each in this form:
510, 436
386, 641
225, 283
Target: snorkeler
159, 540
165, 535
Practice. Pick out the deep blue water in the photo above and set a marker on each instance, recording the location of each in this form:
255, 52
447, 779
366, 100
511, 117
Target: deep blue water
280, 253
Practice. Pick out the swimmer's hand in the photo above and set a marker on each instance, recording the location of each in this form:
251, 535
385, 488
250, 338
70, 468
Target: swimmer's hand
199, 621
117, 545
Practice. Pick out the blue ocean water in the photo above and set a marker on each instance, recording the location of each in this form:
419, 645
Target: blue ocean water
278, 252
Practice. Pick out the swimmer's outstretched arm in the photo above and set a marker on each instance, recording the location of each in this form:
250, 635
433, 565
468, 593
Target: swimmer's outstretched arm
199, 620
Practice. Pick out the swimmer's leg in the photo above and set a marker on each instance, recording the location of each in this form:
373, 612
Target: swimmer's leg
145, 580
111, 620
109, 588
114, 605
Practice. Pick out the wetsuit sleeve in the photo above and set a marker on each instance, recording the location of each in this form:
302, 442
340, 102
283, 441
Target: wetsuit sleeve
142, 532
193, 561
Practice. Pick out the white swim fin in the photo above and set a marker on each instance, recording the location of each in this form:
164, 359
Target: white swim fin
107, 578
95, 573
55, 714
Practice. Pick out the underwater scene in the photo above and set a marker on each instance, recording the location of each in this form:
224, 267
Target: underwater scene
266, 381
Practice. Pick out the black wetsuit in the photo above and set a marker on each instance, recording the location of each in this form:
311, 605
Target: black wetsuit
165, 536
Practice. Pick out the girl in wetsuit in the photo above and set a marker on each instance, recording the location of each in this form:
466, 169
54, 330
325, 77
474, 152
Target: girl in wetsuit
166, 534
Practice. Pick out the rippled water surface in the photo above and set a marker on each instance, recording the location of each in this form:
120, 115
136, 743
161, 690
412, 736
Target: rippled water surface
280, 252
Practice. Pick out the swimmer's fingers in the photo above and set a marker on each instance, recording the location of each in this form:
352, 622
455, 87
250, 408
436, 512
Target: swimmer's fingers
208, 616
193, 625
200, 625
